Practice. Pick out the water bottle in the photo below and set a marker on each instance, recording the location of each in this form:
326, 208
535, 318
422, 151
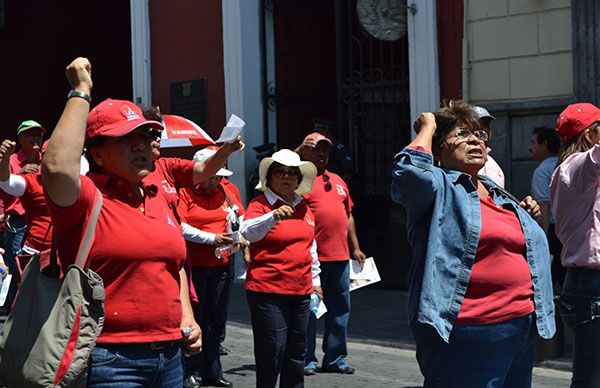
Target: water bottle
315, 301
225, 250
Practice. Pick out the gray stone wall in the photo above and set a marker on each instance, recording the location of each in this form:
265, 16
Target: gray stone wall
511, 137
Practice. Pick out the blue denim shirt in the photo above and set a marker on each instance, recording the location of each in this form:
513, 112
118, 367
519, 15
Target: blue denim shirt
443, 223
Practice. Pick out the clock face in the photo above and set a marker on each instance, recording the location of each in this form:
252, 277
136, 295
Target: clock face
383, 19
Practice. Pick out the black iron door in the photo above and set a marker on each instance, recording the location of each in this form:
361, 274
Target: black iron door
347, 60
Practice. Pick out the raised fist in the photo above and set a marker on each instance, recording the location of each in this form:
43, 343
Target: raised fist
79, 74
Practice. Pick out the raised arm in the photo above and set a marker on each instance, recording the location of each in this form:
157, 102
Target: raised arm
61, 162
425, 127
204, 170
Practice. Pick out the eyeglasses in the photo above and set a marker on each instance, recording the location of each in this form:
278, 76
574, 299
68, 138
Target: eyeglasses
326, 184
282, 173
465, 134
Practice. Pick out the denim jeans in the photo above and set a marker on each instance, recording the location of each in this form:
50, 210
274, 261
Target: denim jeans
134, 366
279, 329
478, 356
13, 242
580, 310
212, 288
335, 281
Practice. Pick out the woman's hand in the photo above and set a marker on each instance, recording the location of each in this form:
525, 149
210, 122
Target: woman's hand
192, 343
79, 74
236, 145
319, 291
283, 212
532, 207
425, 120
223, 238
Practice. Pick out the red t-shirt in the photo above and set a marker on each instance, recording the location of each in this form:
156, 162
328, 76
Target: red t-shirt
12, 205
500, 287
281, 261
232, 187
170, 175
138, 251
39, 234
207, 212
331, 208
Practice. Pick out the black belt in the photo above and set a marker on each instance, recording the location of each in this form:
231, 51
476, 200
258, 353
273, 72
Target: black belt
159, 345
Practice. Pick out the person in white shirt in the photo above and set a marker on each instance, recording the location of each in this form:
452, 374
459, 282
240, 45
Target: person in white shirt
491, 169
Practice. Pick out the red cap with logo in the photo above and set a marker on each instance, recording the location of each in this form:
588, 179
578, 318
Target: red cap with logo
317, 137
575, 118
116, 118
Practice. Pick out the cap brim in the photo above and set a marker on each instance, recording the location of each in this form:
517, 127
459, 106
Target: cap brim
124, 128
32, 127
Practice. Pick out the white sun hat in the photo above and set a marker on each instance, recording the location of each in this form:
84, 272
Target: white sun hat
205, 153
291, 159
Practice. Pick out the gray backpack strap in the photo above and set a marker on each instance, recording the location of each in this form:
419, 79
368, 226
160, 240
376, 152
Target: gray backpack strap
90, 230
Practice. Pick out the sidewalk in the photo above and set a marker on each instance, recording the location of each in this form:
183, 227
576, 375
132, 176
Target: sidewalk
378, 317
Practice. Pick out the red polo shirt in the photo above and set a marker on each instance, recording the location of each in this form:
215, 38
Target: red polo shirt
12, 205
500, 286
232, 187
138, 251
281, 262
170, 175
331, 208
39, 234
207, 212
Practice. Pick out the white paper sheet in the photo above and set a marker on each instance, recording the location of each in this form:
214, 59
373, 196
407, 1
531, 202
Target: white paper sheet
232, 130
363, 277
321, 310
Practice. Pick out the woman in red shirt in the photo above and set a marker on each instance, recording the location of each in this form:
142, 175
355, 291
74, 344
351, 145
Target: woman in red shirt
138, 248
210, 208
283, 270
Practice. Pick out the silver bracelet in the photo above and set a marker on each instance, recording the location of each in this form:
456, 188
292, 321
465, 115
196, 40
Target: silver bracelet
75, 93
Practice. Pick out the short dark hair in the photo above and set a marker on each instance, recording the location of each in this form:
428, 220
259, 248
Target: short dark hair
94, 142
451, 114
548, 135
152, 113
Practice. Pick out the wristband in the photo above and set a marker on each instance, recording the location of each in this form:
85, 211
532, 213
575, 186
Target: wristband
75, 93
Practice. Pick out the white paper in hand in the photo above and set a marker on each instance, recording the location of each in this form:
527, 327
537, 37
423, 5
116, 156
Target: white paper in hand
358, 272
367, 276
234, 128
321, 310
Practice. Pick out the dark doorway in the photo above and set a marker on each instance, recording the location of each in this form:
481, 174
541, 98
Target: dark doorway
40, 38
329, 66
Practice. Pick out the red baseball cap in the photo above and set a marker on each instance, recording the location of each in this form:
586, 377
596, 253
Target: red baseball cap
575, 118
116, 118
317, 137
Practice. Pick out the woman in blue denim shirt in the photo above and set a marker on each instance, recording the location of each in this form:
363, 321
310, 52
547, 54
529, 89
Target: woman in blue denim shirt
480, 288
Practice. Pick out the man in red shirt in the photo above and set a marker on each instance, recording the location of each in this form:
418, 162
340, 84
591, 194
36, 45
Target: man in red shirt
27, 160
335, 233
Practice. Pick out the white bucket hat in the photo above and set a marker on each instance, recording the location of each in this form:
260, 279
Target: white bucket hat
204, 154
290, 159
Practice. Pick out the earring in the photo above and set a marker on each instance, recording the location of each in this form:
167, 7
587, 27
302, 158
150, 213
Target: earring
99, 163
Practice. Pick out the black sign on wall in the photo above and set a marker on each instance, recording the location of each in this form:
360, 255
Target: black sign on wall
188, 99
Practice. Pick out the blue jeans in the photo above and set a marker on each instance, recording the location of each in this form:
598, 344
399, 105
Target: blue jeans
13, 242
212, 288
279, 330
478, 356
580, 310
335, 281
135, 366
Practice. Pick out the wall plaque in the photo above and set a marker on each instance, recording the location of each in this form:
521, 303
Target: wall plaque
188, 99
